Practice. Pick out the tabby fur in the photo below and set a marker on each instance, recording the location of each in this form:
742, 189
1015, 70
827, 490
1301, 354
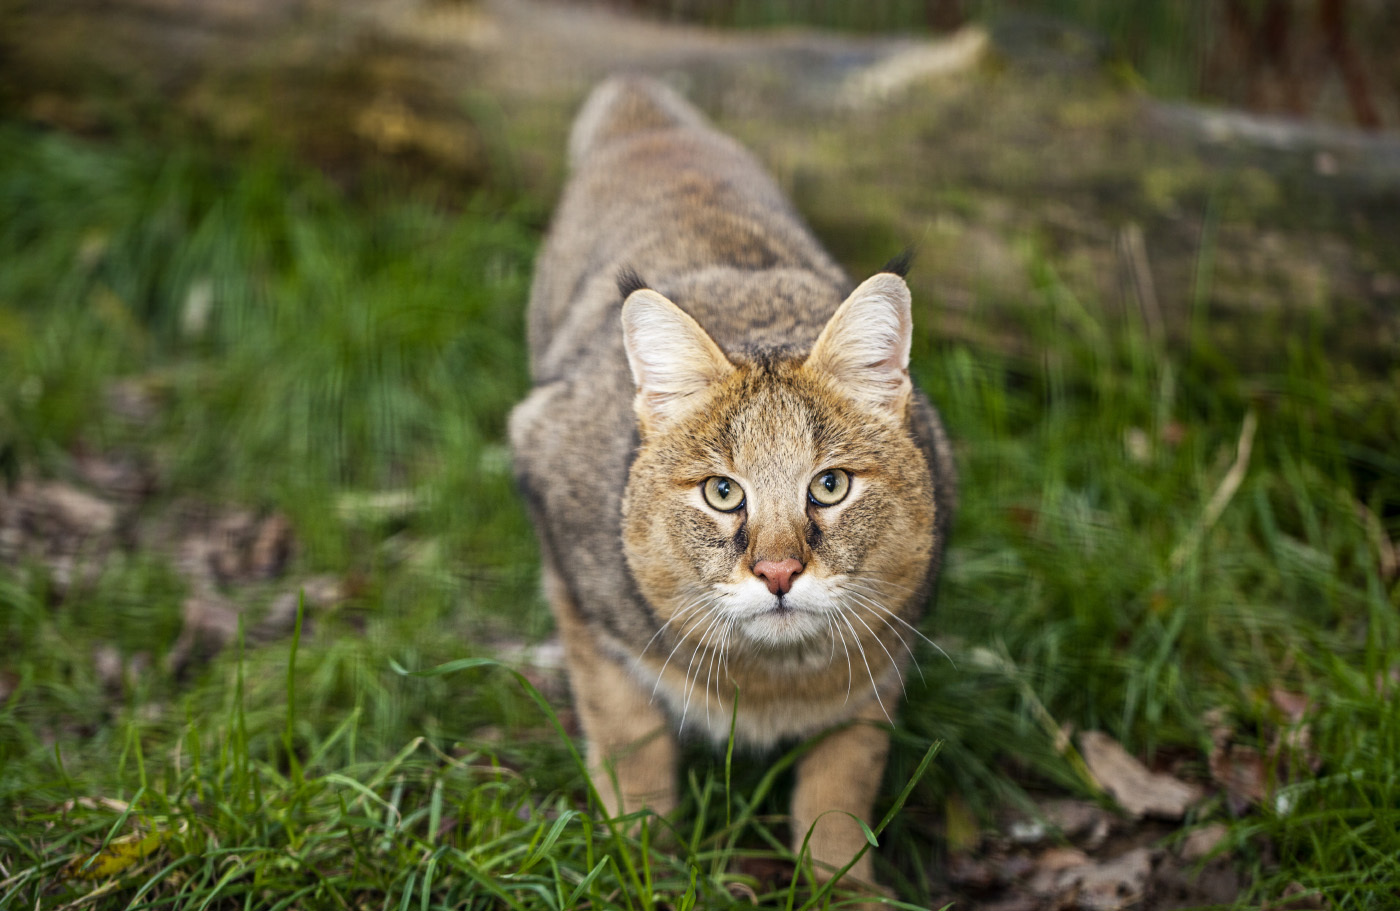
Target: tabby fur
685, 326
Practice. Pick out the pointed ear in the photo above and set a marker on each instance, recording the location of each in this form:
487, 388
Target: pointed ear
673, 360
865, 345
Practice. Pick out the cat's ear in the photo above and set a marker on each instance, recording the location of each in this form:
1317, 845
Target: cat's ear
865, 344
672, 358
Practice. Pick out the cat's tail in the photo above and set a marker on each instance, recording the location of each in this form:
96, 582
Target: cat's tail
622, 105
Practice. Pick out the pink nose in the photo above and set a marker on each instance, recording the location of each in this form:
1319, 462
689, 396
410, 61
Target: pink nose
778, 573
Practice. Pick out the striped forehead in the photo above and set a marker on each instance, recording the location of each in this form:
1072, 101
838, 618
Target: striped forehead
773, 435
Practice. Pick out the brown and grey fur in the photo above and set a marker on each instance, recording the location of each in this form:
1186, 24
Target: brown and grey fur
684, 325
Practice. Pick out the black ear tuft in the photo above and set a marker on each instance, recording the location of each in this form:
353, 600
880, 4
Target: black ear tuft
628, 281
900, 264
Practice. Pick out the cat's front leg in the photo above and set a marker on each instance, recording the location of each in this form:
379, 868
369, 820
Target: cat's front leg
631, 751
838, 778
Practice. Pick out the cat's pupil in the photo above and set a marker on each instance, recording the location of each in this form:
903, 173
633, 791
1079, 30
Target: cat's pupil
722, 488
829, 481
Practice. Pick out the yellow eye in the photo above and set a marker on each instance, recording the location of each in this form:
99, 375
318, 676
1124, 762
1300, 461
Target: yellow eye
830, 487
723, 494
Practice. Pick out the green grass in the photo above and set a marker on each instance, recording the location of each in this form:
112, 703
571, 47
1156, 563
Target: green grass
373, 342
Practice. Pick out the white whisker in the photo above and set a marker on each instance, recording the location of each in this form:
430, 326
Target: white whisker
689, 681
864, 586
872, 605
715, 654
873, 687
711, 607
850, 671
684, 609
894, 664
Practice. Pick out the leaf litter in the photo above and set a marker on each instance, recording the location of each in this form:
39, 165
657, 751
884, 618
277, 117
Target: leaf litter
1070, 854
227, 557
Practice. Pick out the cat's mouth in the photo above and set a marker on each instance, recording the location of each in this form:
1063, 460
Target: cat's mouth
783, 622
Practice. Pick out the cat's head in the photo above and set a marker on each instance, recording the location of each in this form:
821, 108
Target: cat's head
778, 501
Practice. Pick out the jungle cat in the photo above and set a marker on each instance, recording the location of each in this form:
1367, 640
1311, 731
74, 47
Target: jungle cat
735, 486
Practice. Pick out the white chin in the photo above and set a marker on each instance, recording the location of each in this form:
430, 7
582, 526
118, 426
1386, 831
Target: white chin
787, 626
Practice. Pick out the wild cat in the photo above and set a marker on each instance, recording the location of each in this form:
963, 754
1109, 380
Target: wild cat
738, 493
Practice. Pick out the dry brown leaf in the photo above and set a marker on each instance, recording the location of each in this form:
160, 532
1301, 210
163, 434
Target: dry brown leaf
1202, 841
1078, 820
972, 874
1111, 885
1137, 790
1239, 769
1019, 902
79, 512
210, 623
270, 548
1057, 859
1084, 823
107, 664
250, 549
1297, 897
1293, 705
124, 478
1180, 883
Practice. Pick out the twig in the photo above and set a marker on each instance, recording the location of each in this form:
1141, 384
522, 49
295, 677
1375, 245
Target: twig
1223, 494
1134, 249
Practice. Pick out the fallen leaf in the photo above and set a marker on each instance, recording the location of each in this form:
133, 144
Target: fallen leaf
972, 874
1084, 823
1297, 897
270, 548
1057, 859
119, 855
1179, 883
210, 622
1137, 790
1239, 769
280, 619
125, 478
327, 590
1019, 902
1111, 885
54, 508
107, 664
1202, 841
1217, 722
1293, 705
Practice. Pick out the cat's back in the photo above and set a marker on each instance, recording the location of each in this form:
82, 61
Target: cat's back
655, 189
